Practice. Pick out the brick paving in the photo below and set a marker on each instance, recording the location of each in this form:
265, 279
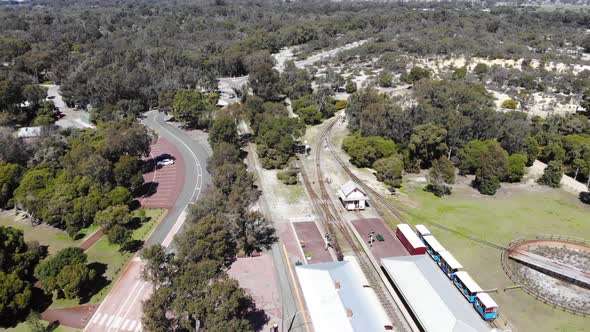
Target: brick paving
312, 241
390, 247
166, 181
257, 276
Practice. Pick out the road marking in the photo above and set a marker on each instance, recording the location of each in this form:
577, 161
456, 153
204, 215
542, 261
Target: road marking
96, 318
110, 320
103, 320
117, 322
296, 287
124, 326
140, 292
137, 283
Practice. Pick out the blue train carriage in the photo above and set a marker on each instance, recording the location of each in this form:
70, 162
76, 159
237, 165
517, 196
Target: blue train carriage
433, 247
449, 264
468, 287
422, 231
486, 306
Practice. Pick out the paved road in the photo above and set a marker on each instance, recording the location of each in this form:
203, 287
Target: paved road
121, 310
71, 117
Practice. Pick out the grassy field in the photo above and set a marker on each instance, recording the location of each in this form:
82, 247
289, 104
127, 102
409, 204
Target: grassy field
54, 238
512, 214
107, 255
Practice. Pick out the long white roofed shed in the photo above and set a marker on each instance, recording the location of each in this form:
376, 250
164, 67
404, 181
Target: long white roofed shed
352, 196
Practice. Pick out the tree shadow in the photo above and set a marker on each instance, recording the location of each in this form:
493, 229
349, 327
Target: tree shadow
99, 282
132, 246
257, 318
148, 189
136, 222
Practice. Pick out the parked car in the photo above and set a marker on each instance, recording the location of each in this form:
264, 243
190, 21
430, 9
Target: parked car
165, 162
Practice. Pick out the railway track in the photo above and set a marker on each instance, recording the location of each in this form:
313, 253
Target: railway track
333, 222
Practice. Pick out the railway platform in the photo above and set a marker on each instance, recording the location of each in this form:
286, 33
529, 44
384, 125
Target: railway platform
389, 246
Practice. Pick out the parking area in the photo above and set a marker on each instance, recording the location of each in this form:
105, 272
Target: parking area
164, 181
311, 242
390, 244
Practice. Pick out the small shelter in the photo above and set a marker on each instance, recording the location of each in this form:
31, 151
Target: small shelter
352, 196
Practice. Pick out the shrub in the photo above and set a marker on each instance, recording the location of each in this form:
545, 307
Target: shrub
516, 167
552, 175
389, 170
509, 104
288, 177
341, 104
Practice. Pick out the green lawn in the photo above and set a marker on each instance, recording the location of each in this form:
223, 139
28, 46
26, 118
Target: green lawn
23, 327
54, 238
500, 220
106, 254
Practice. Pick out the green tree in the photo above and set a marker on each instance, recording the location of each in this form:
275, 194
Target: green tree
552, 152
253, 232
440, 175
459, 73
157, 269
310, 115
155, 311
427, 143
416, 74
509, 104
266, 82
224, 129
15, 256
66, 272
15, 296
481, 69
385, 80
443, 170
493, 168
119, 235
532, 150
350, 86
516, 167
74, 279
552, 175
470, 154
223, 153
119, 196
10, 175
116, 215
209, 238
128, 173
193, 108
364, 151
389, 170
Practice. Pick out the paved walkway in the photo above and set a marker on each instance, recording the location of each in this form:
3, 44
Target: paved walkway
256, 275
91, 240
311, 242
75, 317
391, 246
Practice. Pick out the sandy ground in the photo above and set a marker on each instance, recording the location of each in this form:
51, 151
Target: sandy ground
567, 183
438, 64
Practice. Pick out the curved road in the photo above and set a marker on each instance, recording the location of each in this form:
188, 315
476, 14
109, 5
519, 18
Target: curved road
196, 176
121, 309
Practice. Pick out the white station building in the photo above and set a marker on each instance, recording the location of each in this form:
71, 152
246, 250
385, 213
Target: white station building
352, 196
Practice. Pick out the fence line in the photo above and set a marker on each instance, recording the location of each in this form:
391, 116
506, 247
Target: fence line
536, 295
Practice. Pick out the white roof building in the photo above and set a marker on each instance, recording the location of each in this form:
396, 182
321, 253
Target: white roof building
352, 196
337, 299
431, 296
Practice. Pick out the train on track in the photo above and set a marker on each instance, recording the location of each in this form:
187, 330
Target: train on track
482, 302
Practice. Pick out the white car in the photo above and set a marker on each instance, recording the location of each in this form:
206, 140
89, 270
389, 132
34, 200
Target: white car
165, 162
